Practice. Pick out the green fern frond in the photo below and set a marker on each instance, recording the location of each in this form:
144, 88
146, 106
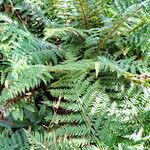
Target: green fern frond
19, 43
29, 77
18, 140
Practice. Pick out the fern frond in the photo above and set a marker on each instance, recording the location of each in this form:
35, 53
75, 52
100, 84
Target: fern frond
30, 79
18, 140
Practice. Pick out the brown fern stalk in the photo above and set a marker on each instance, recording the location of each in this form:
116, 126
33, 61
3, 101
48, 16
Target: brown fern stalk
85, 17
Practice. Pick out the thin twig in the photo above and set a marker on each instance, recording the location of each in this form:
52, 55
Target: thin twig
13, 8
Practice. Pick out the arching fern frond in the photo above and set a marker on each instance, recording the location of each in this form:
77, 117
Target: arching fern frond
25, 59
30, 76
19, 43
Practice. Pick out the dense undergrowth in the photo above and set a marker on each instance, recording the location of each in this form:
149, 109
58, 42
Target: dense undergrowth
74, 74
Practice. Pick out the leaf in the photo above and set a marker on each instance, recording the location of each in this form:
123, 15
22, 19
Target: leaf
42, 111
18, 114
30, 108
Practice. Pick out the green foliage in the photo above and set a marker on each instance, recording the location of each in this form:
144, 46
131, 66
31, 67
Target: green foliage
74, 74
18, 140
25, 59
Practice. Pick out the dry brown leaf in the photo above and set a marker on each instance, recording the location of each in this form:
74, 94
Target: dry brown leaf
57, 105
6, 84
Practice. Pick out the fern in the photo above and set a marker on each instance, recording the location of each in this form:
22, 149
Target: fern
18, 140
29, 77
22, 52
27, 12
96, 106
74, 74
70, 39
86, 108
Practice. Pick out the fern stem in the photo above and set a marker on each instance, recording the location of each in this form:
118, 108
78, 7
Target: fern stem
87, 120
13, 8
83, 13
